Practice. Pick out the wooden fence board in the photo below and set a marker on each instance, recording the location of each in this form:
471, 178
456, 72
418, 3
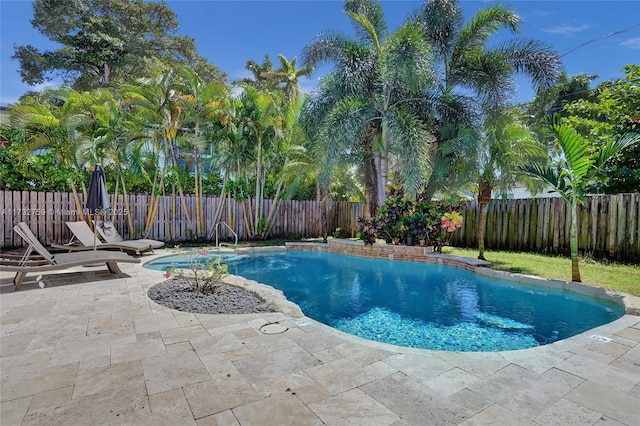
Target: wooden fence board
608, 225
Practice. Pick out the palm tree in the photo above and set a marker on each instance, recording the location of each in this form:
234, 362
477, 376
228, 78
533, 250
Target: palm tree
506, 144
51, 122
473, 78
262, 75
365, 105
160, 103
289, 75
577, 167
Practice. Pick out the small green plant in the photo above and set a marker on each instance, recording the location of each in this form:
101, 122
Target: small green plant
341, 233
206, 271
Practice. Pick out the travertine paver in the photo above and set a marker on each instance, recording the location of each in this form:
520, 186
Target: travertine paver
173, 370
90, 348
353, 407
276, 410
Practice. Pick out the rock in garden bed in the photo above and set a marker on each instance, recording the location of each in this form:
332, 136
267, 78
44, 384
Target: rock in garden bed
225, 299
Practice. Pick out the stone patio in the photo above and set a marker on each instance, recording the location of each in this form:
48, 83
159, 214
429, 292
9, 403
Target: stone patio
90, 348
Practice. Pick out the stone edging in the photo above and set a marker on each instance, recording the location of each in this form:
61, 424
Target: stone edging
274, 298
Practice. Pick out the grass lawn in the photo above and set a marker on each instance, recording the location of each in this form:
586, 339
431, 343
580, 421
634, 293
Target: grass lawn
610, 275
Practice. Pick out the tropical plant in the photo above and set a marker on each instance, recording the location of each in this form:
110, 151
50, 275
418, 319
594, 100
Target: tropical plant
472, 79
368, 230
364, 105
289, 75
506, 144
577, 167
50, 122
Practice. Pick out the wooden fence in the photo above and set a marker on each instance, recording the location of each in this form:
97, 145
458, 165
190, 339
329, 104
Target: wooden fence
47, 212
609, 225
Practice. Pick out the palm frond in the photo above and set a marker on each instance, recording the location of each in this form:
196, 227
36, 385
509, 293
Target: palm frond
410, 140
535, 59
440, 21
613, 146
479, 30
327, 47
575, 150
407, 60
549, 175
372, 10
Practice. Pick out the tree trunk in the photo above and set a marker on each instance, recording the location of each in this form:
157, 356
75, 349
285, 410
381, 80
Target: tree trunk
382, 182
430, 189
258, 210
370, 186
437, 171
323, 214
484, 196
573, 241
107, 73
127, 208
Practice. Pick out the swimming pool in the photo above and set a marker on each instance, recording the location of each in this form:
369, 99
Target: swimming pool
422, 305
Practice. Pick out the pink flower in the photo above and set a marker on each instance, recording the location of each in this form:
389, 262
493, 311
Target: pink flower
167, 274
203, 252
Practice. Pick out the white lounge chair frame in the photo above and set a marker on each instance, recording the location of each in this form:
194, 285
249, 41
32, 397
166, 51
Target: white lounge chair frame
84, 239
113, 237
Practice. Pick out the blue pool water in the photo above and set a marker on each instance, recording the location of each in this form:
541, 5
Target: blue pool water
421, 305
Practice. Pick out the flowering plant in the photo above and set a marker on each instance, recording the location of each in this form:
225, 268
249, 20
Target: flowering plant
451, 221
368, 230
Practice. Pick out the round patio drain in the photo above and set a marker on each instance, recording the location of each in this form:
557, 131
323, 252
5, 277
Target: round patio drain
273, 328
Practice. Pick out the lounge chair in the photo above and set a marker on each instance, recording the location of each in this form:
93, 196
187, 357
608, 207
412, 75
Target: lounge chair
84, 238
61, 261
111, 235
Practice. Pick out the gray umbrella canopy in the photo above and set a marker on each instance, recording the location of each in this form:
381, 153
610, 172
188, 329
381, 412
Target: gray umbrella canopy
97, 198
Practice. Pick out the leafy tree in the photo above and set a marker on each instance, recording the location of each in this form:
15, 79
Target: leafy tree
103, 41
550, 101
614, 109
578, 166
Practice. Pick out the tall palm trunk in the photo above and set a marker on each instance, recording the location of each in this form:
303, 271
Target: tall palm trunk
573, 240
76, 199
323, 214
127, 207
258, 207
484, 196
370, 185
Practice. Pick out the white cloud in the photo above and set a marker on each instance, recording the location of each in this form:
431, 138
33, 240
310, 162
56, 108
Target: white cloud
239, 75
632, 43
565, 29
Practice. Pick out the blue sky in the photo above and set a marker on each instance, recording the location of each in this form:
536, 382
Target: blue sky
228, 33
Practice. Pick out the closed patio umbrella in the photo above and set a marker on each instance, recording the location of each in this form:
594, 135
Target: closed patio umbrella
97, 198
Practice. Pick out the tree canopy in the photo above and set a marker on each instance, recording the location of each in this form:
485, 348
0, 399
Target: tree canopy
106, 40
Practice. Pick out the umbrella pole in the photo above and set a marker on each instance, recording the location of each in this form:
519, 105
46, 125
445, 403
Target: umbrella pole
95, 232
